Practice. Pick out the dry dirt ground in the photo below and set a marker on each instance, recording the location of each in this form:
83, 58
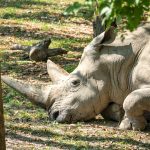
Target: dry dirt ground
28, 127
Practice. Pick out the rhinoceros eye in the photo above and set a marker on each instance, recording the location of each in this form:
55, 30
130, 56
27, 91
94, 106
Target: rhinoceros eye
75, 83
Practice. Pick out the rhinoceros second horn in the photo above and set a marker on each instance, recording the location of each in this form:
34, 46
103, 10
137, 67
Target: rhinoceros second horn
55, 72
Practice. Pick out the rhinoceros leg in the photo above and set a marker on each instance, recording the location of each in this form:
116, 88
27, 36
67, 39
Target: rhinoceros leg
113, 112
135, 105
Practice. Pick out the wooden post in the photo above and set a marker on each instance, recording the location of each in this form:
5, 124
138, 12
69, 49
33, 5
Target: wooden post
2, 129
97, 26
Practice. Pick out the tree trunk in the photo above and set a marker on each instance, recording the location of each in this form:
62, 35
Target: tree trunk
97, 26
2, 129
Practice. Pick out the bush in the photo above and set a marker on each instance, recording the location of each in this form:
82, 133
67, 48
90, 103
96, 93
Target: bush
127, 12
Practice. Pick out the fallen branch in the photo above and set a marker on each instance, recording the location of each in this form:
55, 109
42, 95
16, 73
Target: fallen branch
40, 50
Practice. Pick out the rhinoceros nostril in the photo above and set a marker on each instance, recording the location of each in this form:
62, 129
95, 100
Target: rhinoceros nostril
55, 115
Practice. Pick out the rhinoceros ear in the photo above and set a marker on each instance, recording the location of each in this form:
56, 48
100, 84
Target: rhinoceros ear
107, 36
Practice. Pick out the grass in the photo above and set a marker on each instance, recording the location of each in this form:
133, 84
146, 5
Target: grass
27, 126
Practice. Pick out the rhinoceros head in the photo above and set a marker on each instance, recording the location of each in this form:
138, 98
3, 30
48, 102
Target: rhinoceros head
74, 98
80, 95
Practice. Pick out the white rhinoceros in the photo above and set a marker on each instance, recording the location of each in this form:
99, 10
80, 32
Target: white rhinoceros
112, 73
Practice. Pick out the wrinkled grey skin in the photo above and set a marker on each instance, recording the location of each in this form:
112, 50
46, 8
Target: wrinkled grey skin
110, 71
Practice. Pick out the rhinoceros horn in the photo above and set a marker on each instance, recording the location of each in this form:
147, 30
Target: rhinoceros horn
55, 72
36, 94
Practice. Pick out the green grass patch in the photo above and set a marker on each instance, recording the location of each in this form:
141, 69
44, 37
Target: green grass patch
70, 67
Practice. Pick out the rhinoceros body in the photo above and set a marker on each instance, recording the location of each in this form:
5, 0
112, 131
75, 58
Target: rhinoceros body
112, 73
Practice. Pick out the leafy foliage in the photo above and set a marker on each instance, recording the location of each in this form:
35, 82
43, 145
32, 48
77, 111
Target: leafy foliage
129, 13
83, 9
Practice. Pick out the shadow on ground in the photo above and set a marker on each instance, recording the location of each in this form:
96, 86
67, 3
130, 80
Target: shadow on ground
22, 3
43, 16
36, 34
76, 137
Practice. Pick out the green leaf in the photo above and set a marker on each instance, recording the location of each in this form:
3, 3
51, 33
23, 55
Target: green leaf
73, 9
105, 11
89, 2
137, 2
